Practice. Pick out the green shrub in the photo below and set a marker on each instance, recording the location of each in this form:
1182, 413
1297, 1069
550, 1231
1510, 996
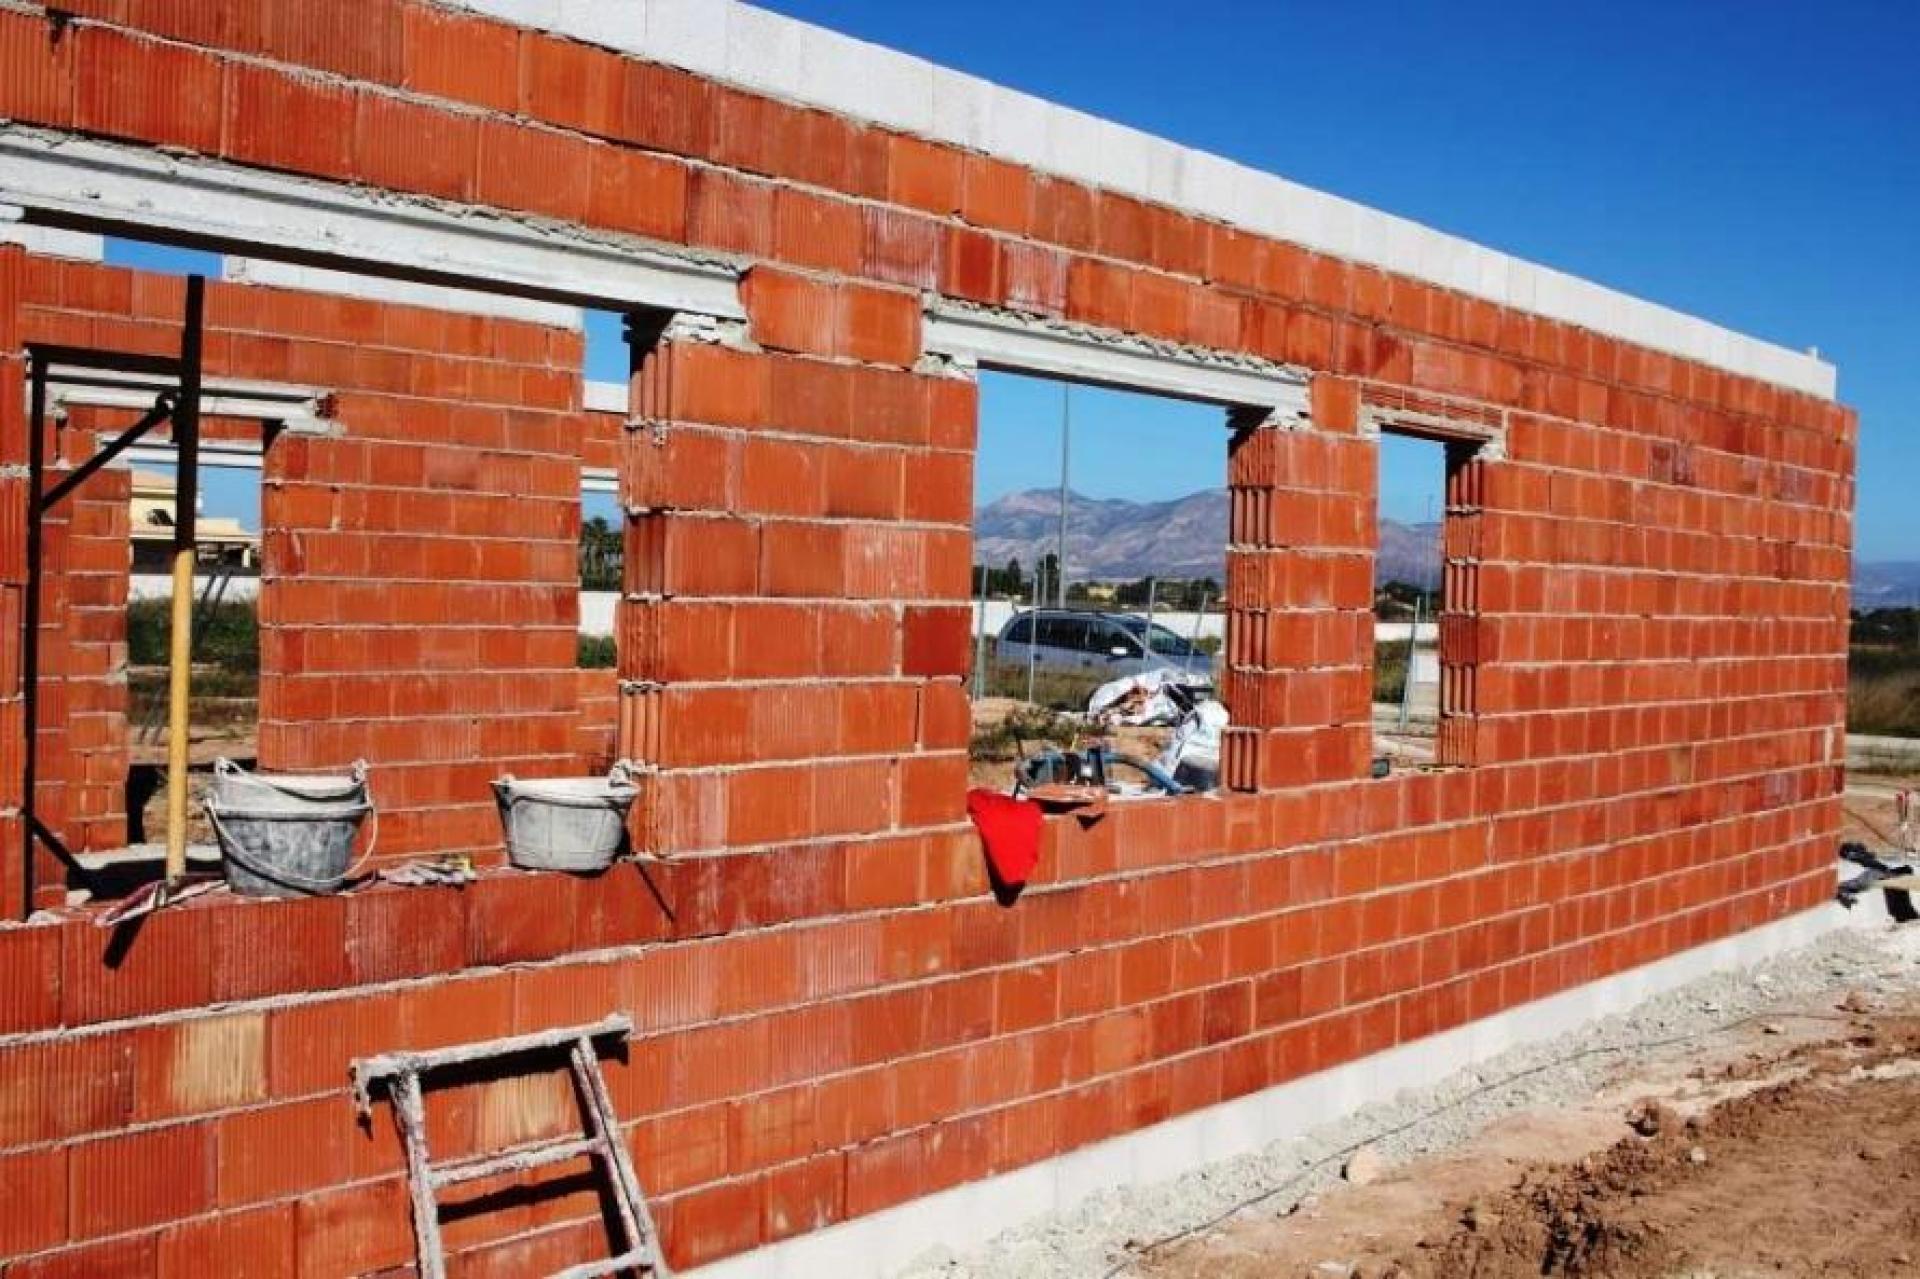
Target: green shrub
226, 636
1025, 726
598, 653
1389, 670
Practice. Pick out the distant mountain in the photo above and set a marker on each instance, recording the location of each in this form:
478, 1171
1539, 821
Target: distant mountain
1886, 584
1114, 540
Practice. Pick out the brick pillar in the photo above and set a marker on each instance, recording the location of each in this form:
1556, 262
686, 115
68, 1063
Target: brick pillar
1460, 648
1300, 594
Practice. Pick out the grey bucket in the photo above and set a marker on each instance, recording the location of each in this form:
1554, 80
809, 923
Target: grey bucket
566, 823
283, 852
235, 788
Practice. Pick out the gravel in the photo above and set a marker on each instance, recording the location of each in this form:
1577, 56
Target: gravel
1103, 1234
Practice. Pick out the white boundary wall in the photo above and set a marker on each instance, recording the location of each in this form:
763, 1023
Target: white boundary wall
785, 58
887, 1242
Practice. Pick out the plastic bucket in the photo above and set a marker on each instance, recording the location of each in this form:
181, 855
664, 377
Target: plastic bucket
234, 788
566, 823
283, 852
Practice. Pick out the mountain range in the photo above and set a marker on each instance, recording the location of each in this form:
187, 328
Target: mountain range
1114, 540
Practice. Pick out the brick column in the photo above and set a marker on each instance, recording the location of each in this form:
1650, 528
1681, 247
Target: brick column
1460, 648
1300, 594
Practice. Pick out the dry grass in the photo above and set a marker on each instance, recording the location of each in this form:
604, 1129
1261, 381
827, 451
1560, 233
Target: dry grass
1883, 691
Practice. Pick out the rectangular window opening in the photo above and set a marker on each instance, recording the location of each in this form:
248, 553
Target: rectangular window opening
1137, 596
606, 367
224, 706
1424, 578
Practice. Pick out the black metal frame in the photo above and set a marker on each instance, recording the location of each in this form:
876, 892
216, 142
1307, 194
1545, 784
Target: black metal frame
178, 406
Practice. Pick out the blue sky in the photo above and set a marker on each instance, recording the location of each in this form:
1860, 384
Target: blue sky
1757, 164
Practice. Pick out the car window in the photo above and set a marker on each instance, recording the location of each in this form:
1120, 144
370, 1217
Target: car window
1017, 633
1164, 641
1063, 632
1109, 637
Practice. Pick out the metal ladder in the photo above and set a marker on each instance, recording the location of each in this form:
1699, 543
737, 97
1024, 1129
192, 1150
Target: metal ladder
400, 1074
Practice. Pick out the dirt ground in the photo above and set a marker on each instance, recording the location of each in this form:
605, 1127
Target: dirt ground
1871, 811
1792, 1152
995, 768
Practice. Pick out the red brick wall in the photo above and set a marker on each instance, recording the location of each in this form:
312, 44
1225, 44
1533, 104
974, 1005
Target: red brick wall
1646, 642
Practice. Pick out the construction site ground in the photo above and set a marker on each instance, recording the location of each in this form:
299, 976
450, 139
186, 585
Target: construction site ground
1759, 1122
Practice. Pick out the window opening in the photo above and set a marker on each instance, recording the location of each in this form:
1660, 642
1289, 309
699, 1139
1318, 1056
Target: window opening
1136, 596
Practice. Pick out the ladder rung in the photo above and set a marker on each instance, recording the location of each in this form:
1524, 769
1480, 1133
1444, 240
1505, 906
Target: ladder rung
519, 1159
639, 1261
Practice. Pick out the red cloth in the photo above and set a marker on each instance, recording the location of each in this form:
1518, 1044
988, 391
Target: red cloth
1010, 828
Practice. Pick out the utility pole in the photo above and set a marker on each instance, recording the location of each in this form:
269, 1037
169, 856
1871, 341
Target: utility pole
980, 639
1066, 435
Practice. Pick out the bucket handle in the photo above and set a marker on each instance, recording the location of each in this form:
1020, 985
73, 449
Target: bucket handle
228, 845
623, 773
224, 767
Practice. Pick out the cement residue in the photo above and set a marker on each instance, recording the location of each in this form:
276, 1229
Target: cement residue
1108, 1232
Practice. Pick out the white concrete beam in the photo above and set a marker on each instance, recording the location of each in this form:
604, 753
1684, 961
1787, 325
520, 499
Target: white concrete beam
1078, 353
313, 279
98, 186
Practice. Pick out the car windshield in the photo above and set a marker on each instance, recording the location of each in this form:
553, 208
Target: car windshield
1163, 640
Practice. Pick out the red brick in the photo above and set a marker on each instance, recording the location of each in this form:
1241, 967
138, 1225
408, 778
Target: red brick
937, 641
532, 171
273, 947
805, 1196
353, 1230
133, 88
575, 86
789, 312
996, 194
123, 1183
283, 121
36, 71
924, 176
271, 1152
257, 1245
825, 235
36, 1211
879, 326
407, 932
640, 193
519, 916
715, 1222
467, 59
405, 146
31, 956
162, 965
358, 39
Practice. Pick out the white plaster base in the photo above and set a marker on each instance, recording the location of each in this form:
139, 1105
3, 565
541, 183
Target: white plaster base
884, 1243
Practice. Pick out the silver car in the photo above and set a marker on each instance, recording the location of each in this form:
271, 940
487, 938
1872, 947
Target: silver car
1105, 644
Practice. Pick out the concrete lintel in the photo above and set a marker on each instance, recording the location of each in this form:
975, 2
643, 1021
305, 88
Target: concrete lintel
604, 397
268, 273
80, 184
994, 339
50, 242
294, 407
